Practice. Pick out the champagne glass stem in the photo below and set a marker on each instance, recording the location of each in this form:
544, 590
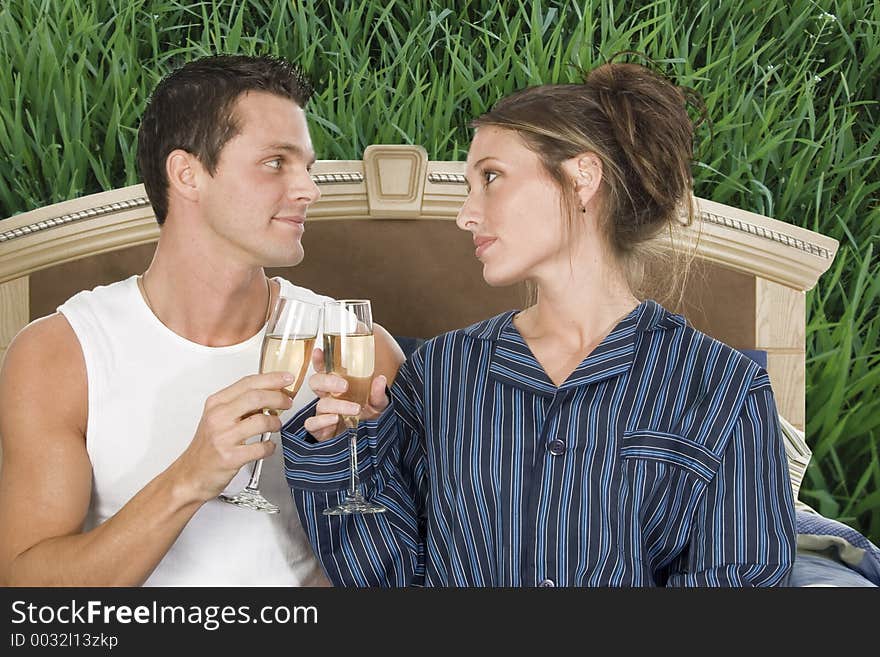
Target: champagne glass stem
354, 501
254, 483
352, 446
251, 497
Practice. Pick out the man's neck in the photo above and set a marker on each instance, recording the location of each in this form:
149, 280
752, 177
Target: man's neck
208, 302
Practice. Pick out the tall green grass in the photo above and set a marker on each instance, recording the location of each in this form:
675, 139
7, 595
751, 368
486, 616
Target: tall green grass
791, 87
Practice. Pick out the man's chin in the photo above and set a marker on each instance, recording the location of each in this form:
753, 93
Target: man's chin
289, 259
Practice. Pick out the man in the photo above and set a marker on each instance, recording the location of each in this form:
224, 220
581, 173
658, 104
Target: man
127, 412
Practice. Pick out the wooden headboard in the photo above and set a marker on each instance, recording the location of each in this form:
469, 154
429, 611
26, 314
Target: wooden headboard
384, 229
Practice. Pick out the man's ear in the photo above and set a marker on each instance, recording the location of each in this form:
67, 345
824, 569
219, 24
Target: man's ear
183, 170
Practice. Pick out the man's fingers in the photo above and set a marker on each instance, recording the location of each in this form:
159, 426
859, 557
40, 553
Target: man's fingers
258, 450
268, 381
254, 425
255, 400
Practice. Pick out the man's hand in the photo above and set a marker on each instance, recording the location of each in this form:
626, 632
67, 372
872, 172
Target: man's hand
231, 416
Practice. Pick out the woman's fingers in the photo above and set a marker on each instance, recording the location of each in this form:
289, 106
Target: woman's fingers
335, 406
322, 427
327, 384
318, 359
330, 409
378, 398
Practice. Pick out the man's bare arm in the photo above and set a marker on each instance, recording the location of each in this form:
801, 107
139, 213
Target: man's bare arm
389, 355
45, 481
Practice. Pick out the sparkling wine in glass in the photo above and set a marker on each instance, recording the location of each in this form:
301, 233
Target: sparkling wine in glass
349, 351
287, 347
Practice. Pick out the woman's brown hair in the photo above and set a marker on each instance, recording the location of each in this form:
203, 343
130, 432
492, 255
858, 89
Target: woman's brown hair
636, 121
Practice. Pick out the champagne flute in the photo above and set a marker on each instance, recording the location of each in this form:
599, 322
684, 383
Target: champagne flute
287, 347
349, 351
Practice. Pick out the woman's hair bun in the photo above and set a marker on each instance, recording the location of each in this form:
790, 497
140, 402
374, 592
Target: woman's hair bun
647, 115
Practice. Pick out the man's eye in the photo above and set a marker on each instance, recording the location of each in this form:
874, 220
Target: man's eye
275, 164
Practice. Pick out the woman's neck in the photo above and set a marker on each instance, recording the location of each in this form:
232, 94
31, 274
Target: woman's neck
578, 310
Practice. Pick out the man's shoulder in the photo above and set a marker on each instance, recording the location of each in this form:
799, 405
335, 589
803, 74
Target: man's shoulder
44, 395
47, 345
106, 292
45, 329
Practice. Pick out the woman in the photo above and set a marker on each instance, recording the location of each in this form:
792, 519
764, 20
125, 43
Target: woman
588, 440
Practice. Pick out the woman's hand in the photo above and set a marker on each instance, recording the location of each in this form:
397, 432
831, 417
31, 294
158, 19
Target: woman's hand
327, 421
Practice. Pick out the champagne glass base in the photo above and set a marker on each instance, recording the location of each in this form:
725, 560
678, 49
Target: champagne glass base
250, 498
354, 504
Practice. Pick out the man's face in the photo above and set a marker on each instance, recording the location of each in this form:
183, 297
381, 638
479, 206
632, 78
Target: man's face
255, 203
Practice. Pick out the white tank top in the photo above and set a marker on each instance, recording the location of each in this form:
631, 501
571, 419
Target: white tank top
147, 388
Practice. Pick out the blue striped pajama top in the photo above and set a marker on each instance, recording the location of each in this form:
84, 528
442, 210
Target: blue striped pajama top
658, 462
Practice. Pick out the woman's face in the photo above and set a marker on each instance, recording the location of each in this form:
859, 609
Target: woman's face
513, 210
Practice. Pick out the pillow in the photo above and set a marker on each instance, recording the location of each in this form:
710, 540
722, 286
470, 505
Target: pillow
797, 452
830, 553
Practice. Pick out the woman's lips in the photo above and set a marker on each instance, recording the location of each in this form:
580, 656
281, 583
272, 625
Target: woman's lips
483, 243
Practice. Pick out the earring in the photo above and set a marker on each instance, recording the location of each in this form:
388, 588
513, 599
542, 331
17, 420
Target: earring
584, 179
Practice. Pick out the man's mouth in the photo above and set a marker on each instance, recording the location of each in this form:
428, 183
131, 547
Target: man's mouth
293, 220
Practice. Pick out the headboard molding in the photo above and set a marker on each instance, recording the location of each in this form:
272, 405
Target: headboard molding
757, 265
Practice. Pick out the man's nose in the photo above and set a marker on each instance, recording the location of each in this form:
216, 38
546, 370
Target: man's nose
303, 187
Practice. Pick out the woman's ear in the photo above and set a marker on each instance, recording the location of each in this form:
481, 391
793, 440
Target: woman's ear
586, 172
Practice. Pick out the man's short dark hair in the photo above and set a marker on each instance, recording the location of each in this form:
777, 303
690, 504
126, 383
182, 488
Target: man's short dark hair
192, 109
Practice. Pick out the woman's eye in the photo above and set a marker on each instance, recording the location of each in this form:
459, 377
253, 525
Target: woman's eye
489, 176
